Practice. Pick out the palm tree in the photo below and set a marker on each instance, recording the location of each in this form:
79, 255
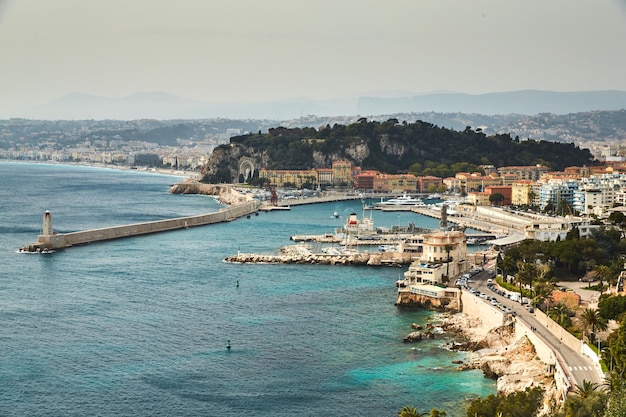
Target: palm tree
560, 313
586, 389
527, 271
543, 293
591, 320
603, 273
407, 411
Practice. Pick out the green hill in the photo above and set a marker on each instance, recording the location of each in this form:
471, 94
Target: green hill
421, 148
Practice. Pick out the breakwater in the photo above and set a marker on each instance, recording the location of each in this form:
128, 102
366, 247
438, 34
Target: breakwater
53, 241
365, 258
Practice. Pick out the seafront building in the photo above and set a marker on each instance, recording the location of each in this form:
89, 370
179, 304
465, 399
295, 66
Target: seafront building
438, 256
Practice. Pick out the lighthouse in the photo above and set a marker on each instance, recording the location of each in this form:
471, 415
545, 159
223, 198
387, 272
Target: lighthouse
47, 224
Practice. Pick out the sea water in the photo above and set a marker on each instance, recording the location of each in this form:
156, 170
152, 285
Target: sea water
140, 326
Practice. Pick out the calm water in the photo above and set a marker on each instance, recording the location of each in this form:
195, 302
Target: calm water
139, 326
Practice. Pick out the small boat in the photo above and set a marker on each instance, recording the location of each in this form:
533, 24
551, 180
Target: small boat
335, 215
434, 197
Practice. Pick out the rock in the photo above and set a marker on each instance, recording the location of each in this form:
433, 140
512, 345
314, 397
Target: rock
416, 326
413, 337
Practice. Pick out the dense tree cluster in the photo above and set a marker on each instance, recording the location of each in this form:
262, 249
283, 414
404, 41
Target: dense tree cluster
420, 147
571, 258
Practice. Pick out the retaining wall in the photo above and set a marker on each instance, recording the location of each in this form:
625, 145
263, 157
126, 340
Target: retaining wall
494, 317
564, 336
477, 307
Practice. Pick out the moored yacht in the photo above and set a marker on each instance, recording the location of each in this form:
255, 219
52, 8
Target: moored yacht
404, 200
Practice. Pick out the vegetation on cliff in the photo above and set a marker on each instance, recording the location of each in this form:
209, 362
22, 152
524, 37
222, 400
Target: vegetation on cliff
392, 147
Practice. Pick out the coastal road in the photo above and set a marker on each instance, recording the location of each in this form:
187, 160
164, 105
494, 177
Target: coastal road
580, 367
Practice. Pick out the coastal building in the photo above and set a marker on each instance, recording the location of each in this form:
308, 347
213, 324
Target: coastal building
484, 198
365, 180
428, 183
526, 172
522, 193
478, 198
552, 228
342, 172
452, 184
441, 255
476, 181
280, 177
324, 175
395, 183
557, 193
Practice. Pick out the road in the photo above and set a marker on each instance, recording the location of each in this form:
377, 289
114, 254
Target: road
581, 367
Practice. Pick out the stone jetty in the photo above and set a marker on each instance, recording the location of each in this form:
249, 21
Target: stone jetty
291, 255
239, 205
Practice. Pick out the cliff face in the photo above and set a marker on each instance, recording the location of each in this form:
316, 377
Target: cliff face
224, 163
225, 194
429, 303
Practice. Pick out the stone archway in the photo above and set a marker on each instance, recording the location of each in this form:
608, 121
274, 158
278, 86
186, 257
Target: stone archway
246, 168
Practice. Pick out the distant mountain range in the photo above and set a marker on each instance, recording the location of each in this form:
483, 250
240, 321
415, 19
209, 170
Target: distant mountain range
159, 105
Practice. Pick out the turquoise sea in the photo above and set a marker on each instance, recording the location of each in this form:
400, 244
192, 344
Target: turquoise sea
139, 326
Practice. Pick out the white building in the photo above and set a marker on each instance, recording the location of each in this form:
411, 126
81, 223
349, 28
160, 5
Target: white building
443, 254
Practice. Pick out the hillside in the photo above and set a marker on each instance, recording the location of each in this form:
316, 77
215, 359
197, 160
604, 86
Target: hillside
421, 148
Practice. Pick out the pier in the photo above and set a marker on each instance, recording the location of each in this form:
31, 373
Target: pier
51, 241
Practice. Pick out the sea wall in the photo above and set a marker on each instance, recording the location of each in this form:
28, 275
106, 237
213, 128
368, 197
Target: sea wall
478, 307
58, 241
564, 336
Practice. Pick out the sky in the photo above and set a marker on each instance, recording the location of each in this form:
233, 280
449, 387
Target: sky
258, 50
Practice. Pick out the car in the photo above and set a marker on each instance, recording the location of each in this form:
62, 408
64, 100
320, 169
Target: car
494, 302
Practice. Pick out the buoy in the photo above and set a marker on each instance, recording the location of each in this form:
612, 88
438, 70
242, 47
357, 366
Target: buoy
228, 344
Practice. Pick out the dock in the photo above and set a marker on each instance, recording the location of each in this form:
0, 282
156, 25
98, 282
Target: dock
48, 240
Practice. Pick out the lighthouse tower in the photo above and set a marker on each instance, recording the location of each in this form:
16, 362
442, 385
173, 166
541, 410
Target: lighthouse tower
47, 224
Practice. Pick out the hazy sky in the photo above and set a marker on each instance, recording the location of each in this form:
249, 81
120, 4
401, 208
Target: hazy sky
232, 50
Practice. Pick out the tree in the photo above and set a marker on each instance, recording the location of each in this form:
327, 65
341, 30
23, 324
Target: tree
586, 389
617, 403
588, 401
617, 347
496, 199
591, 320
527, 273
517, 404
407, 411
560, 313
603, 273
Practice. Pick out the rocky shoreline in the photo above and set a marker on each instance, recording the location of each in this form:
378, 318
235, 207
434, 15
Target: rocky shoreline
511, 361
225, 194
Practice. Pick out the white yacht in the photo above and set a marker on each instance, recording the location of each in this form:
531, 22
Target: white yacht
404, 200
